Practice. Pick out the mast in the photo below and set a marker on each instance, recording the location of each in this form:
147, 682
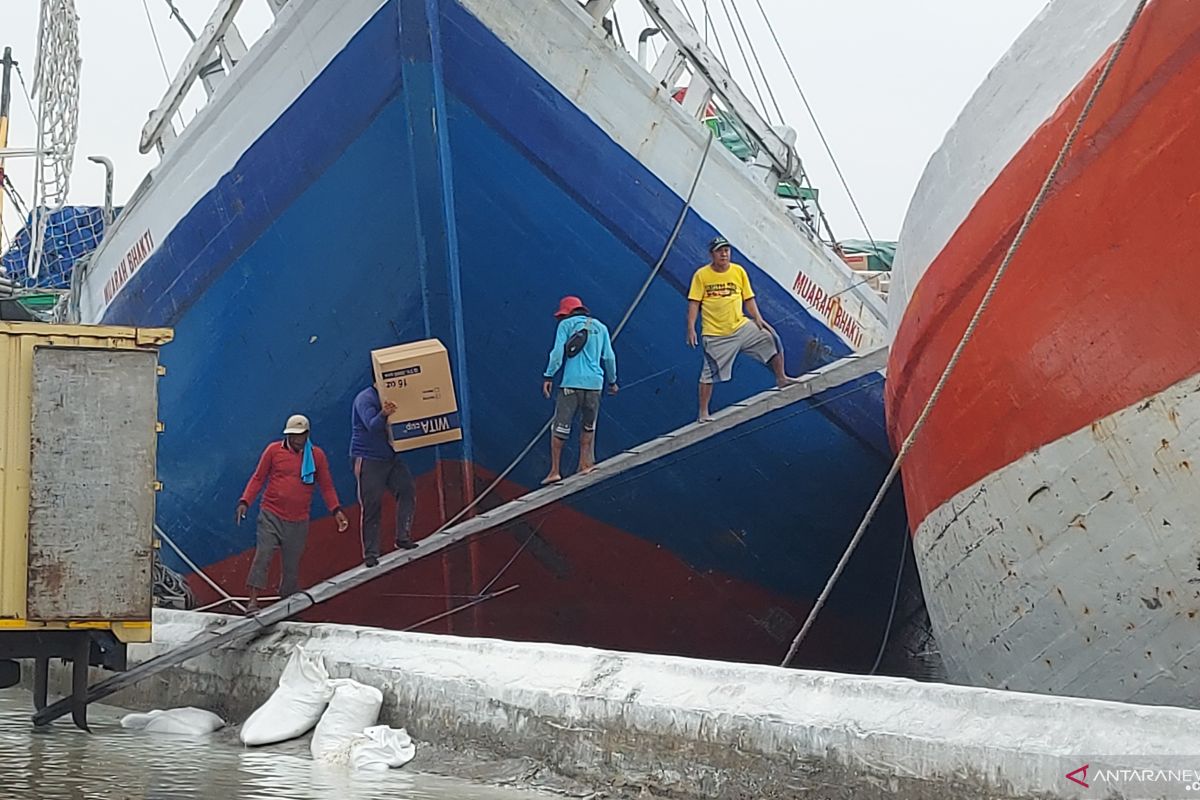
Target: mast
5, 101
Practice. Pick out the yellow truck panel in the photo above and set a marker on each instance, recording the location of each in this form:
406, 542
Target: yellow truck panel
78, 423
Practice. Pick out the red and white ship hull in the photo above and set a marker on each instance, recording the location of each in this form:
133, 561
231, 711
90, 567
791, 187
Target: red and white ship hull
1054, 493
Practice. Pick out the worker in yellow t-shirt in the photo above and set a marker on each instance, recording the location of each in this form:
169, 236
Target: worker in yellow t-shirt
720, 291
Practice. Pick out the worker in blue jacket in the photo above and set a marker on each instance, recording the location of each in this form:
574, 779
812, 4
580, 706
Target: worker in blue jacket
583, 350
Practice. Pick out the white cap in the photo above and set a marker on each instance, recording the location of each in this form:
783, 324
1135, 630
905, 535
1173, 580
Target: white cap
297, 423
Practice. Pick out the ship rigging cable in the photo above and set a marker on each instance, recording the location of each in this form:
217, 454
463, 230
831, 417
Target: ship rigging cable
709, 25
1030, 215
154, 35
182, 22
687, 205
158, 47
812, 115
754, 52
28, 97
746, 61
716, 35
749, 429
649, 25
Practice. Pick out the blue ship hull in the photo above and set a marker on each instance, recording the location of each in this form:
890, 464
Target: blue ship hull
429, 183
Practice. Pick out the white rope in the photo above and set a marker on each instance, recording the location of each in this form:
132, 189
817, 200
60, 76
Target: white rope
1030, 215
56, 86
235, 600
226, 597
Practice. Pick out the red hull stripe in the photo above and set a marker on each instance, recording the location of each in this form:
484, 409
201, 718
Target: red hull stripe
1097, 310
581, 582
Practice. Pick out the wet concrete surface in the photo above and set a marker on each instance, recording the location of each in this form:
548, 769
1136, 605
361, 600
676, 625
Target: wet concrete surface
63, 763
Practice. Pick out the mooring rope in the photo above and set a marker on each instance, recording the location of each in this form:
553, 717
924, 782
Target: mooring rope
1030, 215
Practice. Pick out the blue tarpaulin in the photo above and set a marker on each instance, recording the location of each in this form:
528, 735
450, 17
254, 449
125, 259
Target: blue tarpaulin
71, 233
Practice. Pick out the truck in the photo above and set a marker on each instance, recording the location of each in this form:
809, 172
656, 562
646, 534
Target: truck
78, 439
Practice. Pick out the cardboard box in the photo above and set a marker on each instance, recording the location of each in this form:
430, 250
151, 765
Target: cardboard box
417, 378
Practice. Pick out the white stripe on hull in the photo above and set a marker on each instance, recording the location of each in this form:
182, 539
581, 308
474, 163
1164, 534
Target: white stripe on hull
1076, 569
304, 39
616, 93
560, 43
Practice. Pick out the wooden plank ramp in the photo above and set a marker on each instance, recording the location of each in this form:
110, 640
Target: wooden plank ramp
828, 377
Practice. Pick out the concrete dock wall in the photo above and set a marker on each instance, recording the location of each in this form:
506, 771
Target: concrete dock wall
691, 728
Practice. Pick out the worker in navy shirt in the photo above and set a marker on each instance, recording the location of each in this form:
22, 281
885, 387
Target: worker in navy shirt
379, 469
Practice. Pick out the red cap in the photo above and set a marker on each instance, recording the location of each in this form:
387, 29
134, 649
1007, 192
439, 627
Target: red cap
569, 305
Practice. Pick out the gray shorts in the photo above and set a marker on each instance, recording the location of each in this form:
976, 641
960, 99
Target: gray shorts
585, 401
720, 351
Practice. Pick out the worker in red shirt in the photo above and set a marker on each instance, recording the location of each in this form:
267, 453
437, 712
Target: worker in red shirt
289, 470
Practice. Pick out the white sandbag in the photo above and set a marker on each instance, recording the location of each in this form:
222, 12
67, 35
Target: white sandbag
187, 721
353, 708
139, 721
380, 748
293, 708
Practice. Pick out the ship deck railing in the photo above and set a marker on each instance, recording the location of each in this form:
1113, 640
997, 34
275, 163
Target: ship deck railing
215, 52
219, 47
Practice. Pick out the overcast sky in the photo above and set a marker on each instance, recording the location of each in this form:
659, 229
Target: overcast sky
886, 78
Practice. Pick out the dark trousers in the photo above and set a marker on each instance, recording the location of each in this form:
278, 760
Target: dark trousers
374, 478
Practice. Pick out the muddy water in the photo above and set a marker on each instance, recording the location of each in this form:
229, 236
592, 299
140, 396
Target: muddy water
62, 763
